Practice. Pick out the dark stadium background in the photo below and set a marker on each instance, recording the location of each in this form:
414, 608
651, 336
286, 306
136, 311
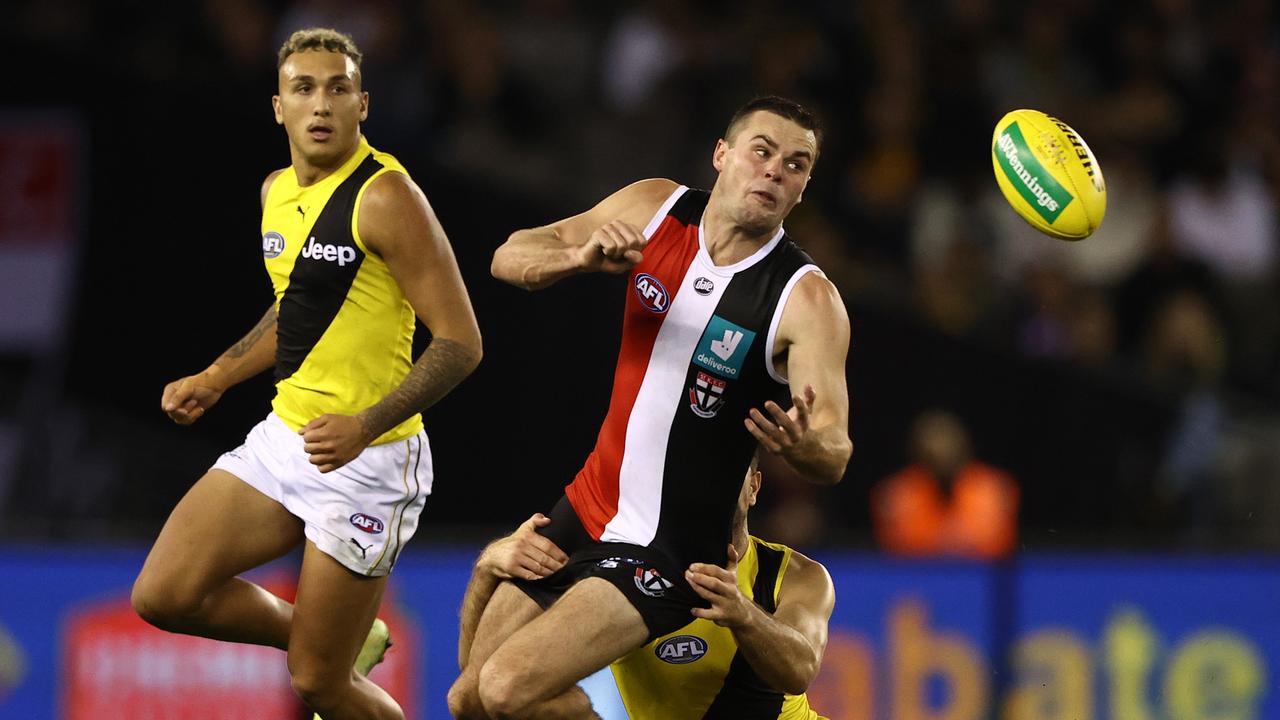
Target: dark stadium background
511, 114
174, 100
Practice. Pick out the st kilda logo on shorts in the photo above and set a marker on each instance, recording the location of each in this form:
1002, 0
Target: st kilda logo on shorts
651, 583
652, 294
367, 523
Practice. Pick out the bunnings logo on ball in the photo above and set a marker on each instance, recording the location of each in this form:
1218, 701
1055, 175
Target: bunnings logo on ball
1032, 181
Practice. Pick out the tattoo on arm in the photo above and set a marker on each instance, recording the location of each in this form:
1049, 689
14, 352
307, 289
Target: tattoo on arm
441, 367
242, 348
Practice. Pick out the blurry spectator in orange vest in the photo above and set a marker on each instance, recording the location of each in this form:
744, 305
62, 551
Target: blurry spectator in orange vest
945, 503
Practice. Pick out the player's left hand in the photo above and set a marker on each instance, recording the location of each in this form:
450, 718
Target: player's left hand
334, 440
782, 432
524, 553
719, 586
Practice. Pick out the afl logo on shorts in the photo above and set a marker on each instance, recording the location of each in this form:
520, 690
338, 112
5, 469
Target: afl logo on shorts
272, 244
653, 296
651, 583
681, 649
367, 523
703, 286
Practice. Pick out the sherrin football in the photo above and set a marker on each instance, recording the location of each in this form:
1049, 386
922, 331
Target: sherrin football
1048, 174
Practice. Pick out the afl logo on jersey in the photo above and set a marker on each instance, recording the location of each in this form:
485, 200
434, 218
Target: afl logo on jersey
653, 296
681, 649
703, 286
272, 244
367, 523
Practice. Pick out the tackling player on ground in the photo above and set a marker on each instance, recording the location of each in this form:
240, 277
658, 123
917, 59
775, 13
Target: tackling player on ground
751, 654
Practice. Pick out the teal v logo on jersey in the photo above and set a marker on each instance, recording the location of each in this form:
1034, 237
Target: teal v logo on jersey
723, 347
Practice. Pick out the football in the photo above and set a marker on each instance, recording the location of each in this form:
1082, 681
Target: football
1048, 174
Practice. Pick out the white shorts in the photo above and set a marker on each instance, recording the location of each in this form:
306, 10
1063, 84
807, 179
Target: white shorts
361, 514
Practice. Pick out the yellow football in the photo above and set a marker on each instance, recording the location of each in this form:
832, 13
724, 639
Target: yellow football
1048, 174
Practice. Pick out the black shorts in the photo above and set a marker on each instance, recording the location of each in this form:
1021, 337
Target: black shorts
651, 581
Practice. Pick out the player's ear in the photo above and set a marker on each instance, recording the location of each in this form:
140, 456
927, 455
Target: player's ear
717, 156
275, 105
364, 106
756, 478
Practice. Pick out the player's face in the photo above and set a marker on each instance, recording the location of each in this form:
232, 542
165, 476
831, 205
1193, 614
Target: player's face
321, 106
764, 169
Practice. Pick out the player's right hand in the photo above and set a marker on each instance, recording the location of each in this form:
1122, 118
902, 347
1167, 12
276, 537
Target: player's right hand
719, 586
524, 553
614, 247
783, 432
185, 400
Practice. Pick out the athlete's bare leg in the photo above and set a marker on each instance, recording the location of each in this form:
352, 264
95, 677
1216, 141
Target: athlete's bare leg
331, 617
589, 627
188, 584
508, 610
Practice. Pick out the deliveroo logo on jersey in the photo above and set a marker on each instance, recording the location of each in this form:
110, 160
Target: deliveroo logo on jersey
723, 347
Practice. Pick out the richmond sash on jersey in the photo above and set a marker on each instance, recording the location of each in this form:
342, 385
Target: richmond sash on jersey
345, 329
696, 355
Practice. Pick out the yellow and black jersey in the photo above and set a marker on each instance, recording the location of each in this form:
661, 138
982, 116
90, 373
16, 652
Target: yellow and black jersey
697, 671
345, 330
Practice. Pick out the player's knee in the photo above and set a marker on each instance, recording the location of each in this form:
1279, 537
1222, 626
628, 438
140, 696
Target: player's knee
319, 690
161, 606
464, 699
502, 693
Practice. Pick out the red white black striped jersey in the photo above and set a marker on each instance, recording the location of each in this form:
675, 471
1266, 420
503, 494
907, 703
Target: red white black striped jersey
697, 354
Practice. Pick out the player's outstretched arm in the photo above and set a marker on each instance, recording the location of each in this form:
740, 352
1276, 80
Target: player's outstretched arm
785, 648
813, 437
607, 238
524, 554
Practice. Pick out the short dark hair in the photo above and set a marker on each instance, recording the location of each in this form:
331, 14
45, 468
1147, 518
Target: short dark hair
319, 39
780, 106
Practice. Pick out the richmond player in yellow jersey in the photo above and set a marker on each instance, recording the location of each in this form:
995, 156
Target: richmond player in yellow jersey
750, 656
341, 464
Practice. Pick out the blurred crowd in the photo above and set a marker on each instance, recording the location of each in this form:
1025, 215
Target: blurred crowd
1176, 296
